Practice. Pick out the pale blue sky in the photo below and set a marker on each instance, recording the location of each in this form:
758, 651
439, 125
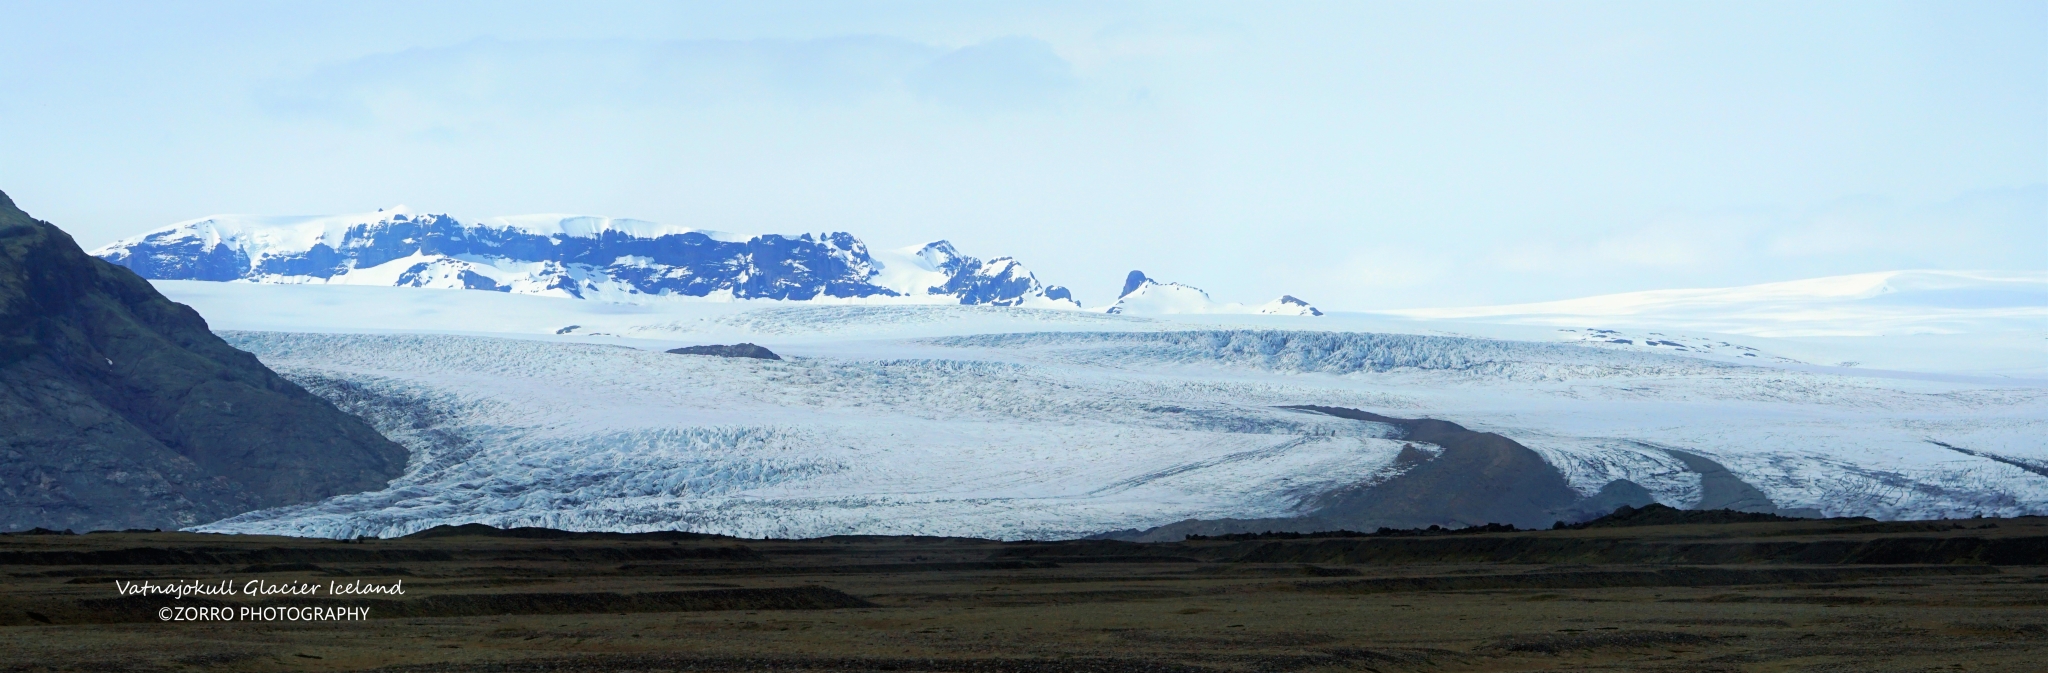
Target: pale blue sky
1357, 154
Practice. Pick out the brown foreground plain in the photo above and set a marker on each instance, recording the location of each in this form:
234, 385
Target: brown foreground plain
1824, 595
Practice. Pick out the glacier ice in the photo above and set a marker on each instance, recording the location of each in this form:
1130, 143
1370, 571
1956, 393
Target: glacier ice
1051, 434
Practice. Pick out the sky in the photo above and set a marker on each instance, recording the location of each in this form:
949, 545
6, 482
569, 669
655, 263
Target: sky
1360, 155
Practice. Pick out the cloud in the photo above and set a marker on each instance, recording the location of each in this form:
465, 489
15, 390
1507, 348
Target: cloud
1414, 266
1009, 72
1376, 272
426, 88
1985, 229
1996, 228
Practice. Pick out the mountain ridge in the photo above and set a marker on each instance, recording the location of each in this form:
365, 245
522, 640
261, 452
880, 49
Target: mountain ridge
572, 256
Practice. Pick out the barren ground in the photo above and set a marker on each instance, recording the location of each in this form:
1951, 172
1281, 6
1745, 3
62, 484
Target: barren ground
1820, 595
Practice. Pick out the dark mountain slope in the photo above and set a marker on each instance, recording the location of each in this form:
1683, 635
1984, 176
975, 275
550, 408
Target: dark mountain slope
1481, 478
119, 409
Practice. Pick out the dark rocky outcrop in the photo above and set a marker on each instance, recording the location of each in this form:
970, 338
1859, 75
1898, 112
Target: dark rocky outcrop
1654, 514
1132, 282
531, 533
1617, 494
120, 409
742, 350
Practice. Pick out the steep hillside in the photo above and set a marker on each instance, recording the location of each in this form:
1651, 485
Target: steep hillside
119, 409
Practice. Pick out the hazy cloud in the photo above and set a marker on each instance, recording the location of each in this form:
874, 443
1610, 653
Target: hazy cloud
1358, 154
1983, 229
1002, 73
428, 86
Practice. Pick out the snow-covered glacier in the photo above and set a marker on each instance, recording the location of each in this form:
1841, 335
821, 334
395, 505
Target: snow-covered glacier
580, 436
570, 256
1014, 423
1863, 304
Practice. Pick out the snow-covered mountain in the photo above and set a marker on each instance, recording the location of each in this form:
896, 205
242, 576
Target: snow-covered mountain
1144, 296
937, 269
1287, 305
571, 256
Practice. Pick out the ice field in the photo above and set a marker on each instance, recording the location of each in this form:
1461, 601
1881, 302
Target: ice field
1032, 423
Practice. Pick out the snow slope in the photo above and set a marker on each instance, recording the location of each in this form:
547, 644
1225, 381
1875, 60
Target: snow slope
1932, 321
1869, 304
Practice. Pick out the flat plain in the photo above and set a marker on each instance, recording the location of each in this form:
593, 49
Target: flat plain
1842, 594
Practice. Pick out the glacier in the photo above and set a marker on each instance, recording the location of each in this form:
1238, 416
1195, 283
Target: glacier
1015, 422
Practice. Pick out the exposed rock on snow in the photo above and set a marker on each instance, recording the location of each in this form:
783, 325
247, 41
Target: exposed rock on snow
937, 269
1288, 305
740, 350
1144, 296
